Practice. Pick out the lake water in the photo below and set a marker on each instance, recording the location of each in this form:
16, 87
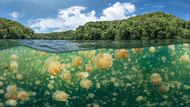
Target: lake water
44, 73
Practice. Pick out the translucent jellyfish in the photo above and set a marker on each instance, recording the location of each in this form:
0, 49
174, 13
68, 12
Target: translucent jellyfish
54, 68
103, 61
185, 45
82, 75
184, 58
51, 59
60, 96
19, 76
164, 88
90, 54
23, 95
77, 61
139, 98
66, 76
14, 57
13, 65
121, 53
86, 83
1, 83
11, 102
152, 50
11, 88
88, 68
138, 50
11, 92
155, 78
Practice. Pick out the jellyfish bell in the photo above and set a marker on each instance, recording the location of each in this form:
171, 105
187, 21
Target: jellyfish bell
152, 50
103, 61
60, 96
121, 53
139, 98
13, 57
137, 50
23, 95
155, 79
88, 68
82, 75
13, 65
54, 68
1, 83
66, 76
11, 88
77, 61
185, 45
11, 102
171, 47
86, 83
184, 58
164, 88
19, 76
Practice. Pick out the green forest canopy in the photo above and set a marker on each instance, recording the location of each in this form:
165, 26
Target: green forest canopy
157, 25
13, 30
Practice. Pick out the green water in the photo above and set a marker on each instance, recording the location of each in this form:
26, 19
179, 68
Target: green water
156, 76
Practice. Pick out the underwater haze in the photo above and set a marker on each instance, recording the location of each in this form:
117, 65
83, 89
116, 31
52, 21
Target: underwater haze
89, 74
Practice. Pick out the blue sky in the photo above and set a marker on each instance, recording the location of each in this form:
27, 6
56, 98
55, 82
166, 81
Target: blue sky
61, 15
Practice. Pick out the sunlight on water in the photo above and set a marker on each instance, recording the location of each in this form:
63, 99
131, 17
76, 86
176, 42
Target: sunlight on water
147, 77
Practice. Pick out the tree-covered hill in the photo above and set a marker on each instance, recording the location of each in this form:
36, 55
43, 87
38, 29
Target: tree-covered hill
157, 25
148, 26
14, 30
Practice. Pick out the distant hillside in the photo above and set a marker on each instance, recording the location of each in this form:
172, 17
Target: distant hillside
157, 25
14, 30
148, 26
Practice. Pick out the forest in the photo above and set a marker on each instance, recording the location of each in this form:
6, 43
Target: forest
156, 25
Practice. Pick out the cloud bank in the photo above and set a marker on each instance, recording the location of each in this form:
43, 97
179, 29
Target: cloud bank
72, 17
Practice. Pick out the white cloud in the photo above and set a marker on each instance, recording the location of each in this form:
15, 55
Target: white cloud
67, 19
71, 18
15, 15
118, 11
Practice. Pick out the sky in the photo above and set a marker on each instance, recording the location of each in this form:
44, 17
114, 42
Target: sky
60, 15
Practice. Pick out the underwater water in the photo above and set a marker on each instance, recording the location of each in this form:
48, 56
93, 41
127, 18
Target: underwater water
123, 76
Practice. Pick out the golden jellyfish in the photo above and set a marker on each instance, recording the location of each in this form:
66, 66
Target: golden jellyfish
90, 54
88, 68
82, 75
1, 83
185, 58
164, 88
14, 57
60, 96
152, 50
51, 59
103, 61
171, 47
66, 76
11, 102
23, 95
121, 53
54, 68
138, 50
13, 65
19, 76
77, 61
11, 92
11, 88
86, 83
155, 78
